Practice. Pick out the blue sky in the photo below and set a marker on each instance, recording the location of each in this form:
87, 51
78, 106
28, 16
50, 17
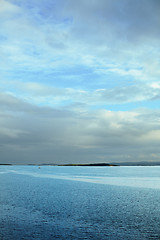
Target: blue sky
80, 81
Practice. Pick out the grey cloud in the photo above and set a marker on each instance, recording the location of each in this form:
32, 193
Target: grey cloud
128, 20
11, 103
92, 136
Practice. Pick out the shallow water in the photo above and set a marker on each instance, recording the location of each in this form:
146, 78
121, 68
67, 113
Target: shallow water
79, 203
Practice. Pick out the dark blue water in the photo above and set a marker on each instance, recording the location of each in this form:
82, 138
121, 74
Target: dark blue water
79, 203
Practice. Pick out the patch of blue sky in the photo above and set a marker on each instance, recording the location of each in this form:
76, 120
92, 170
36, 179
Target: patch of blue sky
41, 11
152, 105
128, 68
3, 37
77, 77
51, 102
35, 3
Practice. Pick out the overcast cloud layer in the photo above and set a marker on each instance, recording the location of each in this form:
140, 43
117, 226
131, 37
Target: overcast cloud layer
79, 81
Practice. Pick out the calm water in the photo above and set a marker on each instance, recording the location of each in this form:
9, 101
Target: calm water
79, 203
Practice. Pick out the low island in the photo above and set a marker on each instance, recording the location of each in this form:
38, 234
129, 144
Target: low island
90, 164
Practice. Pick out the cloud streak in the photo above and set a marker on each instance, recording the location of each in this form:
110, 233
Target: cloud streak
41, 93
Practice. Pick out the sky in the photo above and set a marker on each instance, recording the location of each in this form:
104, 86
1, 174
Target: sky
79, 81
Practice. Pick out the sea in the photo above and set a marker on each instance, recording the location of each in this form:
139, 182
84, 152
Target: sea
73, 202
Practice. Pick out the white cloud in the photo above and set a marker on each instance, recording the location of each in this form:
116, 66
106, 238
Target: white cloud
8, 8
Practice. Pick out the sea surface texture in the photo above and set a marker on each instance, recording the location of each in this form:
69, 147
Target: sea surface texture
95, 203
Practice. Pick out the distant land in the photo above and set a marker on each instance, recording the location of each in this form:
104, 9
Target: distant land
6, 164
106, 164
138, 163
91, 164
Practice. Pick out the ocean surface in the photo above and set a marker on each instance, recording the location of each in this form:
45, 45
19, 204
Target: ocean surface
95, 203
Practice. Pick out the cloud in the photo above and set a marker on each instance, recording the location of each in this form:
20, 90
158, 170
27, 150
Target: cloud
124, 33
62, 63
53, 96
93, 34
31, 134
127, 20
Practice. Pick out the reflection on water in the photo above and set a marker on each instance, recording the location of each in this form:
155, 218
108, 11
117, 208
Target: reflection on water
65, 203
147, 177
